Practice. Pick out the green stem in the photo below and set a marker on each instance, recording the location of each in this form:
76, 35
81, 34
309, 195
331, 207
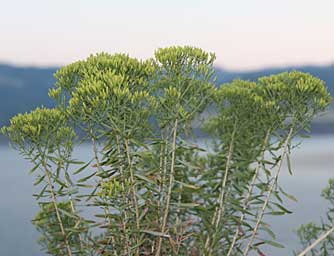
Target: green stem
249, 193
74, 211
265, 203
163, 171
55, 203
171, 184
124, 226
100, 170
69, 183
179, 230
220, 210
316, 242
134, 192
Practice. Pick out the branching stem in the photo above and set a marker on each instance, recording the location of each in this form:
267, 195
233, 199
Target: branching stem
249, 193
134, 192
55, 204
171, 184
316, 242
100, 171
124, 226
220, 210
265, 203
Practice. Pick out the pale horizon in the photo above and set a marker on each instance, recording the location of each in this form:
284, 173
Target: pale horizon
244, 35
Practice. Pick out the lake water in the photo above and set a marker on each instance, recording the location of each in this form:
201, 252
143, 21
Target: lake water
312, 164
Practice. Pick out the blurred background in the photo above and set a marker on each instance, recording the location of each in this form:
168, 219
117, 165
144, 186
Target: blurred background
250, 39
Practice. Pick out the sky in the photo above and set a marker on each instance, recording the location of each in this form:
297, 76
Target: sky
244, 34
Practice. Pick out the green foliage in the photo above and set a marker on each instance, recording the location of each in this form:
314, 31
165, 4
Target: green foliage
299, 95
148, 189
41, 129
46, 222
184, 84
310, 232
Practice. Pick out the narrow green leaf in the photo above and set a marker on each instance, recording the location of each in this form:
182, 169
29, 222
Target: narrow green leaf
86, 178
155, 233
75, 162
67, 213
289, 163
34, 168
276, 213
82, 168
187, 205
39, 180
62, 184
41, 194
291, 197
283, 208
144, 178
273, 243
269, 232
187, 185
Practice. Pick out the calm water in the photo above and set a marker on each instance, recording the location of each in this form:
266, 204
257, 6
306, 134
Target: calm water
313, 165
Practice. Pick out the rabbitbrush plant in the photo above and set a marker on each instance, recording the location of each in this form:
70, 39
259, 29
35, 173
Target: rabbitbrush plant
148, 188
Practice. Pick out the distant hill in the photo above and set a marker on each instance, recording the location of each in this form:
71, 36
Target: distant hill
24, 88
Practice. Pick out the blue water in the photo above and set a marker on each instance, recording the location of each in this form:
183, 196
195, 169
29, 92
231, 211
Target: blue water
312, 163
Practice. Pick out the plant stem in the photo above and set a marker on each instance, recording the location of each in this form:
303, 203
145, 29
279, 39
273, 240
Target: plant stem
69, 183
127, 248
100, 170
161, 174
223, 187
249, 193
171, 184
74, 211
178, 219
322, 237
220, 210
264, 206
55, 204
134, 192
163, 171
165, 165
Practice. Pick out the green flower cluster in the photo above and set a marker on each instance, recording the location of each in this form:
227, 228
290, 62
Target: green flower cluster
41, 129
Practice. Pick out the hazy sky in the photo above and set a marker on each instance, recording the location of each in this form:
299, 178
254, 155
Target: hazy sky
244, 34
